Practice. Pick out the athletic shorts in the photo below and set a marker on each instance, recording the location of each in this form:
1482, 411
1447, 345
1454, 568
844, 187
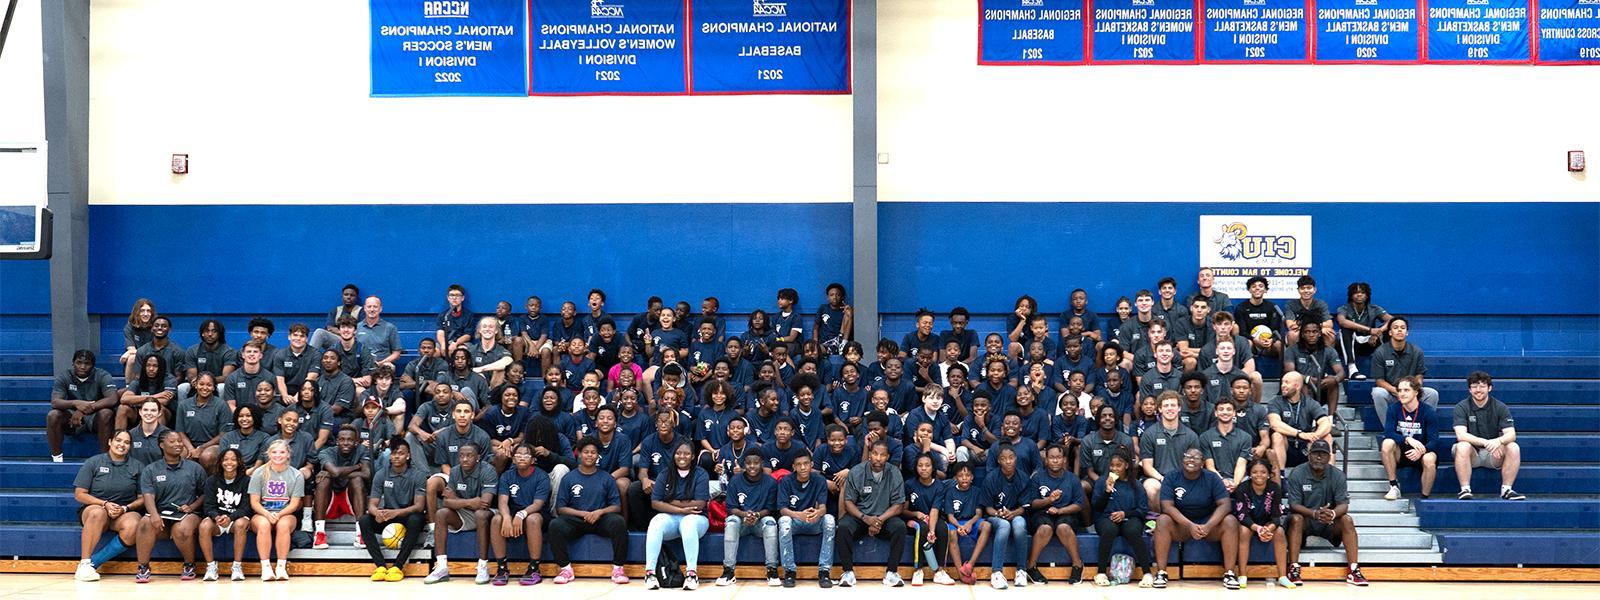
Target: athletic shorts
469, 520
973, 535
1319, 529
1039, 519
1481, 459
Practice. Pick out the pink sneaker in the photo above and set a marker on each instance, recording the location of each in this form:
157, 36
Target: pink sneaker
565, 576
617, 576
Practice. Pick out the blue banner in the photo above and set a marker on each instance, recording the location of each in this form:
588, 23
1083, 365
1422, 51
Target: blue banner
1255, 31
1478, 31
770, 46
1143, 31
1368, 31
447, 48
608, 47
1569, 32
1019, 32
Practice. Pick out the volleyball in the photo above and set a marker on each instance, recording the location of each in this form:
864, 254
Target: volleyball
1261, 333
392, 534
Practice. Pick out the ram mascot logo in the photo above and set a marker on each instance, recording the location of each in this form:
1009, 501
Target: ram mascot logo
1236, 243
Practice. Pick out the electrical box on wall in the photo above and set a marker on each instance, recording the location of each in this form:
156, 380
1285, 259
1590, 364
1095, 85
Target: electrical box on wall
180, 164
1575, 161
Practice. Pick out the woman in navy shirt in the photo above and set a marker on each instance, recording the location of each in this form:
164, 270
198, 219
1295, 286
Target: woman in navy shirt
1117, 504
587, 503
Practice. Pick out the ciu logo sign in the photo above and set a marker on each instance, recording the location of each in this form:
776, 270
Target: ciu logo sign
1234, 242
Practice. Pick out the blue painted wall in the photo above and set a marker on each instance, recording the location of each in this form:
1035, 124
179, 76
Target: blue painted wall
1505, 258
1436, 258
24, 287
294, 259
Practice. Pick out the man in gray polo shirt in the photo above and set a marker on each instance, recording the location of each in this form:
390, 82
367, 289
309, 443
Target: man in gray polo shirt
1161, 448
377, 336
1394, 361
1486, 436
1296, 419
1227, 446
874, 496
239, 387
212, 355
1318, 496
81, 400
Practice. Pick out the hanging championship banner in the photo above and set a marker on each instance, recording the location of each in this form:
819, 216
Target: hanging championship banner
601, 47
447, 48
1368, 31
1479, 31
770, 46
1031, 32
1255, 31
1569, 32
1142, 32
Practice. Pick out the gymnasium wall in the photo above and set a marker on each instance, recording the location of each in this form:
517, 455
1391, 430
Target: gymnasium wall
1000, 180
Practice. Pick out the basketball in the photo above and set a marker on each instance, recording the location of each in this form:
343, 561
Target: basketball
392, 535
1261, 333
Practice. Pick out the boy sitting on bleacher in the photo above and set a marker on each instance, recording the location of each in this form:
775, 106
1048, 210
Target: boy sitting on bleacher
1486, 436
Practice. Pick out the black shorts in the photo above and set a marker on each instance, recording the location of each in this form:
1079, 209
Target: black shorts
1294, 455
1040, 519
1406, 463
1317, 528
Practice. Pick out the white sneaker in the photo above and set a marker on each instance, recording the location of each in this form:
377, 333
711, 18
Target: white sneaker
359, 545
440, 573
1147, 581
942, 578
236, 573
847, 579
86, 572
892, 579
283, 573
1244, 582
266, 572
916, 578
483, 575
997, 580
55, 458
211, 572
1101, 580
1394, 493
427, 538
1021, 579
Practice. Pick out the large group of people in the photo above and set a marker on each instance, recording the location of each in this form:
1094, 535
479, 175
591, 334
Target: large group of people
1148, 426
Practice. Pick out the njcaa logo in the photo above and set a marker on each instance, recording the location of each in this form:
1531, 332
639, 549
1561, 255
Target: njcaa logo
435, 9
766, 8
1236, 243
577, 490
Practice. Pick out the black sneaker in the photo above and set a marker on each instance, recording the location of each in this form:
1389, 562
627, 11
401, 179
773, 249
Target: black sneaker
822, 580
1160, 580
1035, 577
788, 579
1294, 574
1230, 581
1355, 578
1510, 494
1465, 494
773, 579
1077, 575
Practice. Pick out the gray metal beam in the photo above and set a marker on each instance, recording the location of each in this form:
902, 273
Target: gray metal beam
864, 202
66, 127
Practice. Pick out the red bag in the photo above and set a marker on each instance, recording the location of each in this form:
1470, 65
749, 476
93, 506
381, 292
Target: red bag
717, 513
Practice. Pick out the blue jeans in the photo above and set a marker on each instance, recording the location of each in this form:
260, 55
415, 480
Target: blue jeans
788, 527
667, 527
766, 527
1009, 537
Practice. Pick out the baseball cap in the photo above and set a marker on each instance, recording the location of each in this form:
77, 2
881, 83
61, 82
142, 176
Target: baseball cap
1320, 446
373, 402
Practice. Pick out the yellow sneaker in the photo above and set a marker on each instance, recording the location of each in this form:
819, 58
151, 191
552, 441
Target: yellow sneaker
394, 574
380, 573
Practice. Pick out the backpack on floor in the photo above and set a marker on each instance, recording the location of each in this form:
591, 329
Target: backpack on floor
669, 572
